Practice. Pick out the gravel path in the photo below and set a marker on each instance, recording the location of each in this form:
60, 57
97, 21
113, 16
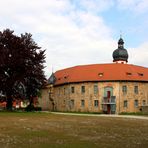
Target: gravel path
103, 115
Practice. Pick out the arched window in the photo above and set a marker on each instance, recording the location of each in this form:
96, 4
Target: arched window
108, 91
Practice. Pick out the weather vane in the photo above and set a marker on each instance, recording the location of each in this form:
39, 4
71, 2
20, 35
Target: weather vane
120, 34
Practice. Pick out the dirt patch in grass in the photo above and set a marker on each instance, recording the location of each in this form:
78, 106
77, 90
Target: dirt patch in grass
44, 130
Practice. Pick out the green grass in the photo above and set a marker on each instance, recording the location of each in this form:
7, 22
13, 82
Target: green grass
134, 113
78, 112
45, 130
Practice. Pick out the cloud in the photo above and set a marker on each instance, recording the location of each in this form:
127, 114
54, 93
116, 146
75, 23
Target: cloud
95, 6
69, 37
135, 6
140, 55
74, 43
72, 32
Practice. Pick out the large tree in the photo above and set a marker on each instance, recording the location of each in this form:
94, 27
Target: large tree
21, 66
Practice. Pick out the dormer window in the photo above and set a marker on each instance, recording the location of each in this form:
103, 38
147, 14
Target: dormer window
128, 73
100, 74
65, 77
140, 74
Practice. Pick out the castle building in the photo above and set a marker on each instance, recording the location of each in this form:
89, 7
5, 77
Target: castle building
108, 88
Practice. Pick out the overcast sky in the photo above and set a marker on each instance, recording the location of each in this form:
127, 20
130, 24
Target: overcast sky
78, 32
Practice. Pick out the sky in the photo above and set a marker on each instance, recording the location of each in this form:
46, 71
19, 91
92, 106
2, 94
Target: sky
80, 32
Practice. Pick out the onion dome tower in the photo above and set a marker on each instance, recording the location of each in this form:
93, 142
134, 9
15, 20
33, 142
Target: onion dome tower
120, 55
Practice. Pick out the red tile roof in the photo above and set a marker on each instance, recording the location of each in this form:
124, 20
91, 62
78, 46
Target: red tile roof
102, 72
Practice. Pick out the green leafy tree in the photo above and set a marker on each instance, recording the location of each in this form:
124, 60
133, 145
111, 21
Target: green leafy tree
21, 66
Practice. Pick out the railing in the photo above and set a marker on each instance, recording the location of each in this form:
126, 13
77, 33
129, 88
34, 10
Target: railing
111, 100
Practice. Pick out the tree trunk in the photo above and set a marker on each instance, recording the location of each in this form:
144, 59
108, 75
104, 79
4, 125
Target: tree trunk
31, 101
30, 107
9, 102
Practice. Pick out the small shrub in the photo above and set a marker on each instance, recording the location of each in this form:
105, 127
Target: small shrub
133, 113
30, 108
38, 108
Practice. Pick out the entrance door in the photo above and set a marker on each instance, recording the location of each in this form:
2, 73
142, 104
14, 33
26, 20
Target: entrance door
108, 94
108, 109
108, 105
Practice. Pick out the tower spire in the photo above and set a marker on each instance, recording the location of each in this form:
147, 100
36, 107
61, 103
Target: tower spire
52, 68
120, 34
121, 43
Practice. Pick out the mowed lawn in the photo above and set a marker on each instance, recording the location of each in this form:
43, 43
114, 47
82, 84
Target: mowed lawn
45, 130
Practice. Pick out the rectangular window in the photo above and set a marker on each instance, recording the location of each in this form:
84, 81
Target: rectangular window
82, 89
64, 102
82, 103
95, 89
64, 91
72, 103
113, 108
113, 99
96, 103
59, 91
136, 103
136, 89
125, 103
72, 89
105, 107
124, 89
143, 102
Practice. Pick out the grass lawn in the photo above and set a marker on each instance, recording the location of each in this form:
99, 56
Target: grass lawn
45, 130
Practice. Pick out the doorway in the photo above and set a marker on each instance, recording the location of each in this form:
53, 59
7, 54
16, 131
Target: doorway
108, 109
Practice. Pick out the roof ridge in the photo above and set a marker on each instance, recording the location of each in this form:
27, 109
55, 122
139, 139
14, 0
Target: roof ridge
86, 66
111, 72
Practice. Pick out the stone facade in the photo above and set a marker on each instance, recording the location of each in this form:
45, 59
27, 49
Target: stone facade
44, 99
145, 109
107, 97
141, 95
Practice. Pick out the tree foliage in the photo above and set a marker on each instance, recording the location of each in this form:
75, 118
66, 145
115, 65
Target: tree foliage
21, 66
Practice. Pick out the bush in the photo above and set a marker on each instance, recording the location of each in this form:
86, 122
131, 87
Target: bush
30, 108
132, 113
38, 108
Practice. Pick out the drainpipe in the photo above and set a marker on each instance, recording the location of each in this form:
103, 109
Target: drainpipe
119, 97
69, 93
